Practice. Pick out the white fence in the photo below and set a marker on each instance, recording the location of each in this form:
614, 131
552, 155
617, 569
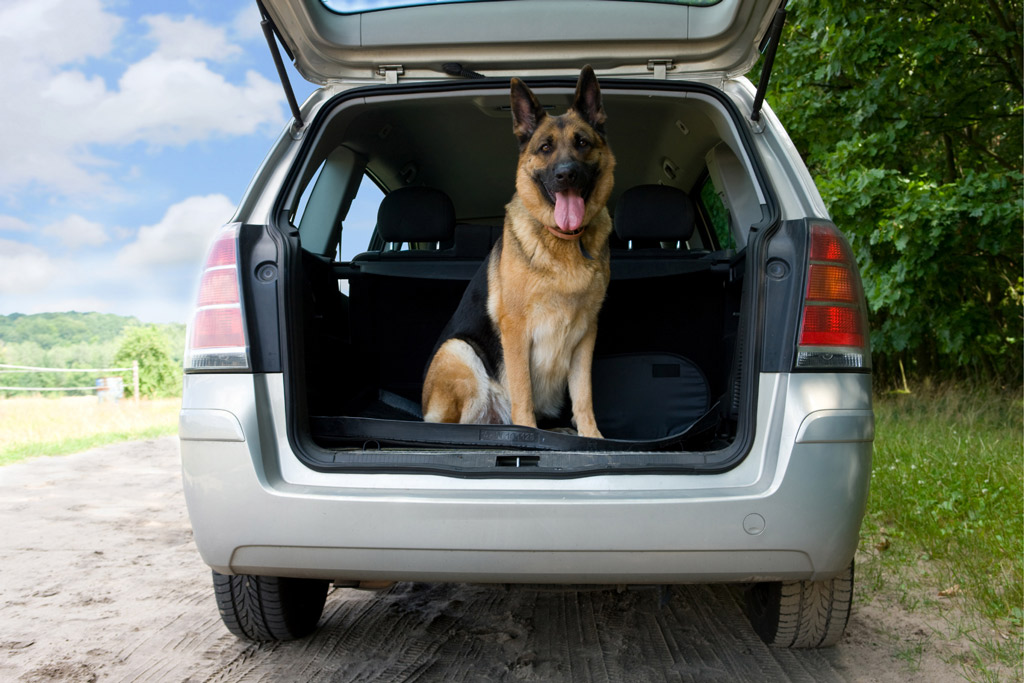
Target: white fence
24, 369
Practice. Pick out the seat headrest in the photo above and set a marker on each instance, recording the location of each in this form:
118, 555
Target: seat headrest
654, 213
416, 214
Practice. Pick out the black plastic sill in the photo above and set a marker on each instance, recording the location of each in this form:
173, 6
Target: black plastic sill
371, 433
368, 445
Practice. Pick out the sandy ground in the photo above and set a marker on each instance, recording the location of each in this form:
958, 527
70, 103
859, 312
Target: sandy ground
99, 581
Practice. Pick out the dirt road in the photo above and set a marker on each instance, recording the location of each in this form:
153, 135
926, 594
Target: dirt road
99, 581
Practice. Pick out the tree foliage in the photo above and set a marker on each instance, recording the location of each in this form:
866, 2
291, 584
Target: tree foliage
159, 375
909, 117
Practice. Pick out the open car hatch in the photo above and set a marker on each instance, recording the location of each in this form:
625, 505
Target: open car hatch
335, 40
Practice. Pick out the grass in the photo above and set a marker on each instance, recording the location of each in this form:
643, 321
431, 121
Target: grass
944, 530
32, 426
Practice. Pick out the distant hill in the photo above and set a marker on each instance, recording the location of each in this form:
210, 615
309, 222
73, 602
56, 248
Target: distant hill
62, 329
52, 332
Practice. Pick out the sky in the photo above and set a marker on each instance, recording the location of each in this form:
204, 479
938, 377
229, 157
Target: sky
129, 130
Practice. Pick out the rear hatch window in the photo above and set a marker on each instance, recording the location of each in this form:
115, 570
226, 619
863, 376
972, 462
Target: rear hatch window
335, 40
359, 6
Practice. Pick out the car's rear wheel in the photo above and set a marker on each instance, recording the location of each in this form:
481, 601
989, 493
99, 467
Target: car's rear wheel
801, 614
266, 608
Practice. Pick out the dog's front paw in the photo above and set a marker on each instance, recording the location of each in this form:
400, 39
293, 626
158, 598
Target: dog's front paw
586, 426
524, 418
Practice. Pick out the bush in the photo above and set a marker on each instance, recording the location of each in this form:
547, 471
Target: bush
159, 376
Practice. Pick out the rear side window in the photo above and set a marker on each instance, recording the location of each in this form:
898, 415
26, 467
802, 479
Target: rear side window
717, 215
358, 226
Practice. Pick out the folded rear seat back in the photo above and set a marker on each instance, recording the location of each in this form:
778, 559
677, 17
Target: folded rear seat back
415, 216
650, 217
648, 378
401, 298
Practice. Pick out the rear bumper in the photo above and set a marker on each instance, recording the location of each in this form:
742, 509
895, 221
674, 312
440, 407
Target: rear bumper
791, 510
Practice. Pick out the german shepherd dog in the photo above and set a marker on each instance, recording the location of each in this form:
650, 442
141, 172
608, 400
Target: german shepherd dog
526, 326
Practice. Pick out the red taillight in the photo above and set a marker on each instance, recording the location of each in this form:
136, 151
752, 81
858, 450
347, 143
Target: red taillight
831, 326
222, 252
216, 335
826, 245
834, 326
218, 286
216, 328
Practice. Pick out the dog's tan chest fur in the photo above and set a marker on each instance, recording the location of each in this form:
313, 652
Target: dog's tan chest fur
554, 304
557, 330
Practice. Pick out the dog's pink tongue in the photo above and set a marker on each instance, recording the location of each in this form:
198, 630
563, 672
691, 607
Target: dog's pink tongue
569, 209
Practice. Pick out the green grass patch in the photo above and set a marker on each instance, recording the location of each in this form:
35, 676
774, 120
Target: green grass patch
945, 519
35, 426
66, 446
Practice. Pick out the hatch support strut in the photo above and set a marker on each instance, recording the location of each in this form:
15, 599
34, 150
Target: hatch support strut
269, 30
771, 41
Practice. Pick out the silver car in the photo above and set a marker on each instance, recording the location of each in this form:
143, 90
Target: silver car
732, 369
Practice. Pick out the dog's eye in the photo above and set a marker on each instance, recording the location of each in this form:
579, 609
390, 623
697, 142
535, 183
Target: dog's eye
582, 143
546, 147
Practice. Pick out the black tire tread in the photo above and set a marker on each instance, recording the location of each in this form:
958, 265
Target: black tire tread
269, 608
802, 614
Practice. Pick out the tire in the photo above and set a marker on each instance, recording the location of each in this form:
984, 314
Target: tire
801, 614
268, 608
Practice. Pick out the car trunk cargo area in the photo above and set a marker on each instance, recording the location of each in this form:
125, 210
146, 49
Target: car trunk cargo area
664, 353
668, 373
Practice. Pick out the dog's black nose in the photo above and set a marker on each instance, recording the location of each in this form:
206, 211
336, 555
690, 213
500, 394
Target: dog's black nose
566, 173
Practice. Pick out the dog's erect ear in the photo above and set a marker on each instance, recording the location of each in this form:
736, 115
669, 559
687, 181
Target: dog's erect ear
588, 100
526, 111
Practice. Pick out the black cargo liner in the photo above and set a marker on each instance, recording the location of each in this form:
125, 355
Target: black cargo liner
653, 377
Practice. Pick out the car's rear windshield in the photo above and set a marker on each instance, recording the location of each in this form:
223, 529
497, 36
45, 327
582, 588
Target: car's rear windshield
358, 6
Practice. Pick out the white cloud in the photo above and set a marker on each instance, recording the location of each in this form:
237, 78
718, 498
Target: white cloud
189, 38
152, 277
13, 224
75, 232
181, 236
246, 24
24, 268
54, 32
56, 114
165, 101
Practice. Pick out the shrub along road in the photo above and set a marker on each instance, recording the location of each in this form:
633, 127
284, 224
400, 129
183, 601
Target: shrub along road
101, 581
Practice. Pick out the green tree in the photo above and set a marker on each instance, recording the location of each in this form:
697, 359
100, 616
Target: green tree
908, 114
158, 374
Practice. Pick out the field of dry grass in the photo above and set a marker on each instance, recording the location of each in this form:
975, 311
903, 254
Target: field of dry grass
34, 426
